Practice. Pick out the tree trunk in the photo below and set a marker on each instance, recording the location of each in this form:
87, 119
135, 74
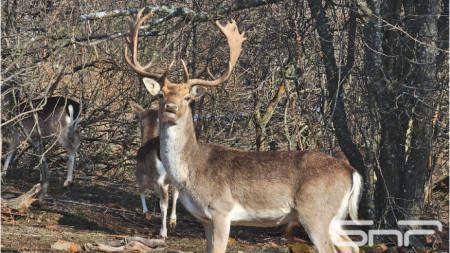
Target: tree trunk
423, 27
400, 67
335, 89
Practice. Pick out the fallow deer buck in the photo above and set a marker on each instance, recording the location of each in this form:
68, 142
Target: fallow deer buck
223, 186
57, 121
150, 171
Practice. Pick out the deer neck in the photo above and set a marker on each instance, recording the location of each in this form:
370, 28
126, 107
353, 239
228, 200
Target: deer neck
178, 148
149, 131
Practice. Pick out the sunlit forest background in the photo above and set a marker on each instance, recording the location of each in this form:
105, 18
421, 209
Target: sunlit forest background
369, 78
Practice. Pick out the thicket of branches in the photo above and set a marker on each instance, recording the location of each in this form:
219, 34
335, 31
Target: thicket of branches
312, 76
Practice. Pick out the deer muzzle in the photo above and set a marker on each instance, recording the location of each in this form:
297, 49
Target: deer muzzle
173, 108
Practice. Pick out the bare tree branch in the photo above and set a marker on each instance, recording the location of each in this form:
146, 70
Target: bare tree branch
186, 13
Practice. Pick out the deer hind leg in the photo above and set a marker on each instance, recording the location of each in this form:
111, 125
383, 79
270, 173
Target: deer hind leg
145, 211
70, 164
143, 183
288, 231
70, 143
173, 214
341, 240
321, 238
348, 245
317, 226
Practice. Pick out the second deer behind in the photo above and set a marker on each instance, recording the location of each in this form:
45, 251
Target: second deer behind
150, 171
56, 121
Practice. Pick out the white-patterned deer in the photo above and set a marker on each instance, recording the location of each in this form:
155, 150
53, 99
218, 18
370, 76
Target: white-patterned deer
57, 121
223, 186
150, 172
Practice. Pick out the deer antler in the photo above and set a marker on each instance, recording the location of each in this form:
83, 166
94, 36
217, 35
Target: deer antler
132, 42
230, 30
235, 39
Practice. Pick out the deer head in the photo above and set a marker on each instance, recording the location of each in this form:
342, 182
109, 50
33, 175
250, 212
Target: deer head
174, 98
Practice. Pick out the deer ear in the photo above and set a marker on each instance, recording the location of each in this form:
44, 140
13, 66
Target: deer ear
152, 86
197, 91
137, 109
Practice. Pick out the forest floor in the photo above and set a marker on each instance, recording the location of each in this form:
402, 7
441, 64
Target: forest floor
94, 209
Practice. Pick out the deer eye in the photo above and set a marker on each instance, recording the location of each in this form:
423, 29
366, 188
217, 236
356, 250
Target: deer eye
187, 98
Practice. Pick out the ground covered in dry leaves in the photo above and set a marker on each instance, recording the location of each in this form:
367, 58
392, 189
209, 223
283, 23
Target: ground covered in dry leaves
94, 209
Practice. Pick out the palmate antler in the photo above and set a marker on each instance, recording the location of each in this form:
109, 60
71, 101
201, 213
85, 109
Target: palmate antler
230, 30
235, 39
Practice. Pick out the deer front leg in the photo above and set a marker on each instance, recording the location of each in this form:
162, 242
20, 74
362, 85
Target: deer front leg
16, 138
45, 172
8, 160
221, 230
173, 214
164, 204
209, 236
45, 179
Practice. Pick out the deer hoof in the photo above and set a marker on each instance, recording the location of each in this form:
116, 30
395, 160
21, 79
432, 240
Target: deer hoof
66, 183
172, 224
163, 234
148, 216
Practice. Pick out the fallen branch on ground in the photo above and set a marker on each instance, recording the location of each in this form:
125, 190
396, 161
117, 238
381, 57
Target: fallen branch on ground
132, 244
23, 202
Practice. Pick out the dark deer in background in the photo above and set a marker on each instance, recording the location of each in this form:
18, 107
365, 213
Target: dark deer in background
150, 172
223, 186
57, 121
